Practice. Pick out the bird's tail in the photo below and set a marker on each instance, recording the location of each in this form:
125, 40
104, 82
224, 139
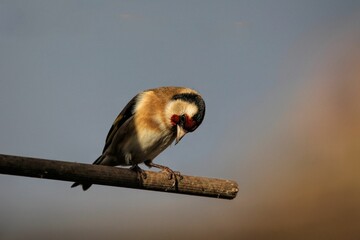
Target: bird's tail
86, 186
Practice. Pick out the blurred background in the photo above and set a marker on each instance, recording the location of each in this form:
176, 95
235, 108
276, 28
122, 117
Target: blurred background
281, 80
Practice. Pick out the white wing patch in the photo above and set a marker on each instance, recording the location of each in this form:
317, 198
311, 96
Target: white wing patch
128, 158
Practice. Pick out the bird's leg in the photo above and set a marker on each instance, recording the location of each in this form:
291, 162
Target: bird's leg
172, 174
141, 174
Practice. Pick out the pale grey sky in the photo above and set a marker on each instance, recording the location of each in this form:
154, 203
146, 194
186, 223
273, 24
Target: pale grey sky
68, 67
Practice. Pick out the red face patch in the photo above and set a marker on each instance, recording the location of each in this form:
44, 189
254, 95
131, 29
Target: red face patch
184, 121
189, 125
175, 119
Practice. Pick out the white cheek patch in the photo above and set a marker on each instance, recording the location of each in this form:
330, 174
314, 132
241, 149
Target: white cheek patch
191, 109
179, 107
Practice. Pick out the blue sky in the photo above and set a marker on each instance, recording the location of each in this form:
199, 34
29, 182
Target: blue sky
68, 67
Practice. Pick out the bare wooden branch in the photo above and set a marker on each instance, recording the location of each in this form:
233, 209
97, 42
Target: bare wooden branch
114, 176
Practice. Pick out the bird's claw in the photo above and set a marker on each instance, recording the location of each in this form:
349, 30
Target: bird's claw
174, 174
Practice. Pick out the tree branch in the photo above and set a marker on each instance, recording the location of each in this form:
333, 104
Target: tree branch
114, 176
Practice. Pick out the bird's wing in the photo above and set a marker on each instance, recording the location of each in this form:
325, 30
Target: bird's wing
124, 115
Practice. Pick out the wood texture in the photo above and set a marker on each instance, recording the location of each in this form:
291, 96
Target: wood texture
115, 176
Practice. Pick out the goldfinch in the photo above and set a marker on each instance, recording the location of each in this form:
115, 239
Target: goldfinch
148, 124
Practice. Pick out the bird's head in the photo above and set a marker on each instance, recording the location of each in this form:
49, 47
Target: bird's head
186, 112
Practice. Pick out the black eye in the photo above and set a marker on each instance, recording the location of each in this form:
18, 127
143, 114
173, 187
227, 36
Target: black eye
182, 118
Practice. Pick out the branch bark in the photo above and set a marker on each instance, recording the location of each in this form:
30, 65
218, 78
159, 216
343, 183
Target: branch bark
114, 176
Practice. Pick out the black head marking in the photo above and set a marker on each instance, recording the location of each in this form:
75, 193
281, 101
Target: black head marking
197, 100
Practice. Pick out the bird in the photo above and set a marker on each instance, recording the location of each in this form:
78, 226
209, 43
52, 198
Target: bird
151, 121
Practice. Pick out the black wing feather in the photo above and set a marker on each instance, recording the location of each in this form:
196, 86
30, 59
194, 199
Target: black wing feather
124, 115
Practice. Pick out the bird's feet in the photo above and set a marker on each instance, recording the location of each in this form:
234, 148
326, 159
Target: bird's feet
141, 174
171, 173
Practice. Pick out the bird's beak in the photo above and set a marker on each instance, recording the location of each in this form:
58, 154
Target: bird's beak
180, 133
